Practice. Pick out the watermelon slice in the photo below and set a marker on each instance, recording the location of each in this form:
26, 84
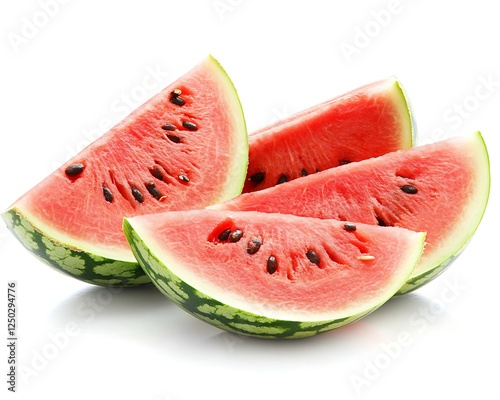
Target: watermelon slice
440, 188
272, 275
185, 148
367, 122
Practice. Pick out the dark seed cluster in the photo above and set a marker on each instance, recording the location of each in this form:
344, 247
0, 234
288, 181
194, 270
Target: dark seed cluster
175, 98
259, 177
232, 236
255, 243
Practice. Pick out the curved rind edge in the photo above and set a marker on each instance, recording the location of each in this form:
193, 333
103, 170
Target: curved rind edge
238, 169
417, 282
422, 279
409, 111
78, 264
221, 315
105, 271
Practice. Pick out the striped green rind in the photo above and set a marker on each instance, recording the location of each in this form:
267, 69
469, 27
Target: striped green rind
420, 280
88, 267
219, 314
97, 261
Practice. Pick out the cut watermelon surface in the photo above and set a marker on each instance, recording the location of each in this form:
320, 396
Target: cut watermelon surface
185, 148
272, 275
440, 188
366, 122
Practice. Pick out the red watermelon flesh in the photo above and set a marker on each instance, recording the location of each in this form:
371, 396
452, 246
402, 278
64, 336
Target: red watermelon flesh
322, 275
185, 148
440, 188
367, 122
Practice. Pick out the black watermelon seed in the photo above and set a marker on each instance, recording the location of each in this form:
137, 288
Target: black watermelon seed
74, 169
272, 264
258, 177
349, 227
175, 97
137, 194
184, 178
191, 126
303, 172
169, 127
283, 178
153, 191
235, 236
224, 235
344, 162
313, 256
253, 245
107, 194
178, 101
173, 138
381, 222
157, 173
409, 189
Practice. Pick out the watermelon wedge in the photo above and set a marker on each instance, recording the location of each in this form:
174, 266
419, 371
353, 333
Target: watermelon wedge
272, 275
440, 188
367, 122
185, 148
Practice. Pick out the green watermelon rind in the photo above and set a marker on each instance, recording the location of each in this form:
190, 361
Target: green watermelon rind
238, 169
222, 315
85, 266
418, 281
406, 109
79, 260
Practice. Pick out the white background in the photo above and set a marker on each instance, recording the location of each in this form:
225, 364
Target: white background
80, 69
